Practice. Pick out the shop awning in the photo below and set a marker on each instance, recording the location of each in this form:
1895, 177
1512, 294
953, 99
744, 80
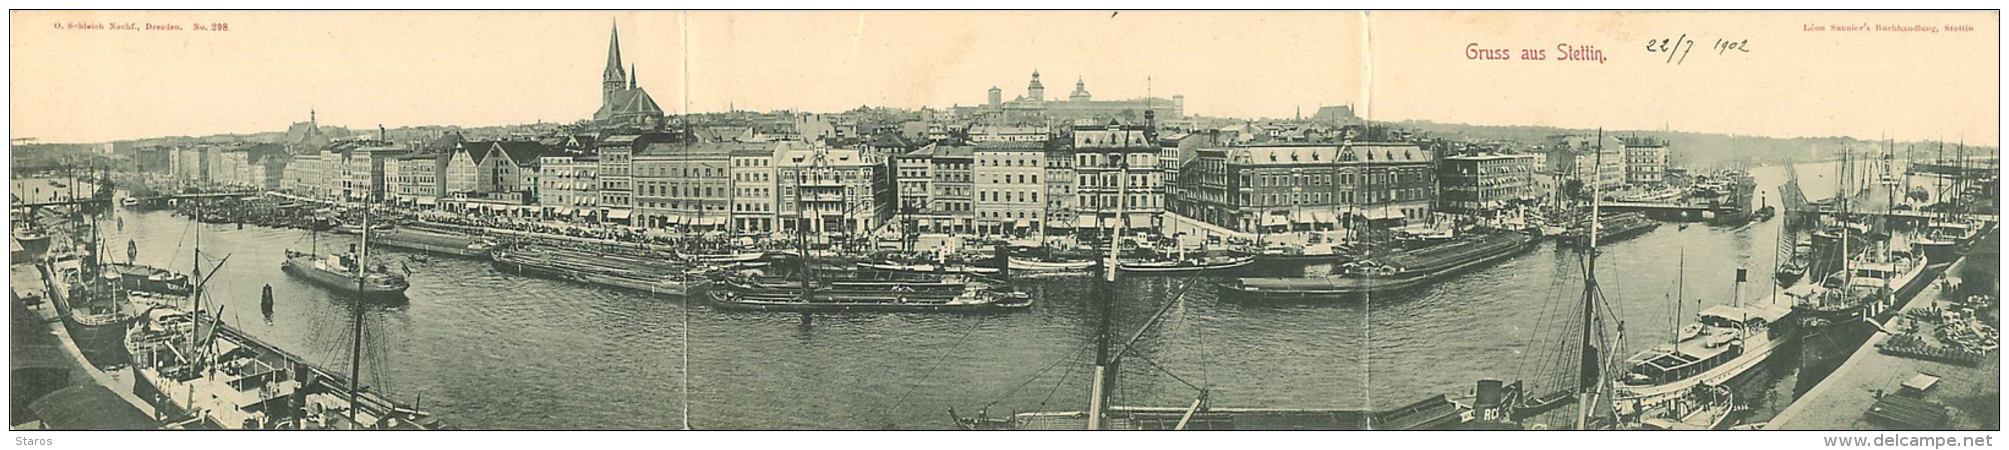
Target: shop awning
618, 213
1300, 217
708, 221
1382, 213
1324, 217
1271, 220
428, 201
1084, 222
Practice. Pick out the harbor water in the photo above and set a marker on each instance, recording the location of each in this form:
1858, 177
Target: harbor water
487, 350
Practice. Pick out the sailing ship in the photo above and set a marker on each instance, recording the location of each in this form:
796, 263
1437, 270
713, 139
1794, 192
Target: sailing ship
1947, 236
348, 272
1582, 363
199, 373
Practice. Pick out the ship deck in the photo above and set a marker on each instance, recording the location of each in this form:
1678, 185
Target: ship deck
1843, 401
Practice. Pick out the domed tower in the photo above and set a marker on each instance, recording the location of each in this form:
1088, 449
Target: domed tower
1034, 90
1080, 93
997, 96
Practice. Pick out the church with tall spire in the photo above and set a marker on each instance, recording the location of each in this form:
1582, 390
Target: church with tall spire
624, 105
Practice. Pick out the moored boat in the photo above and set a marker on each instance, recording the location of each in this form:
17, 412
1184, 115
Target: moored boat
658, 278
966, 297
1700, 408
1207, 263
148, 278
1732, 340
340, 272
1613, 227
1396, 271
435, 241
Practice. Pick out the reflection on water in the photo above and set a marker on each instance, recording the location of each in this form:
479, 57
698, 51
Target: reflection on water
488, 350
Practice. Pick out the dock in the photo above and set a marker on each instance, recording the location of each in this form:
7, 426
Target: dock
1877, 391
28, 280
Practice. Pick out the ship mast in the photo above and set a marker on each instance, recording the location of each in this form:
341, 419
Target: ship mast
356, 347
1105, 367
1585, 394
195, 277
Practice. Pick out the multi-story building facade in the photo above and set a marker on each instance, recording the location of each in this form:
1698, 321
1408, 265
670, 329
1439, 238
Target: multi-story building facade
1282, 187
684, 186
1586, 158
1645, 161
952, 191
303, 175
230, 167
1008, 185
568, 185
364, 178
1480, 185
825, 190
1116, 170
1060, 200
412, 179
914, 179
513, 171
617, 190
754, 192
461, 169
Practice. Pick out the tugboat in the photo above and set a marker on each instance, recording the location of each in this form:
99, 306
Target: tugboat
350, 272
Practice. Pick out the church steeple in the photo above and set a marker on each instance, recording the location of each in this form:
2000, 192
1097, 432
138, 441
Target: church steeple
631, 77
613, 78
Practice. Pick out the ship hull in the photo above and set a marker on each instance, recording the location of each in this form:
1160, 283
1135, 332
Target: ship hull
507, 262
1724, 374
1575, 240
848, 302
1236, 263
1345, 287
1032, 265
341, 283
431, 242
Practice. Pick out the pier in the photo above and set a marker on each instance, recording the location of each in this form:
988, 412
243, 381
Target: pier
1877, 391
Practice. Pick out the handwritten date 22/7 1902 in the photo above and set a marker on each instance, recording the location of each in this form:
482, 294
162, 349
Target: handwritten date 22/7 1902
1677, 48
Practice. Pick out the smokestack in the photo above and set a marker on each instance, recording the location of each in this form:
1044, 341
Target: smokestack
381, 134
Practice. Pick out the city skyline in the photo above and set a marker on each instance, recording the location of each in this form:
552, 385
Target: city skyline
355, 69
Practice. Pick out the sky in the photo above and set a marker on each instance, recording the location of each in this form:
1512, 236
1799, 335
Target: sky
361, 69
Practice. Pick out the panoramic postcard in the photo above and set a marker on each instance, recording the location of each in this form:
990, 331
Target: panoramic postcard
1004, 220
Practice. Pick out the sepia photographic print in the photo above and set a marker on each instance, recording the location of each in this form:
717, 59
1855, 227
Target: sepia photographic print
1122, 219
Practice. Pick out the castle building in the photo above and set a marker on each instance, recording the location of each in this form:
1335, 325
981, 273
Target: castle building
1033, 107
